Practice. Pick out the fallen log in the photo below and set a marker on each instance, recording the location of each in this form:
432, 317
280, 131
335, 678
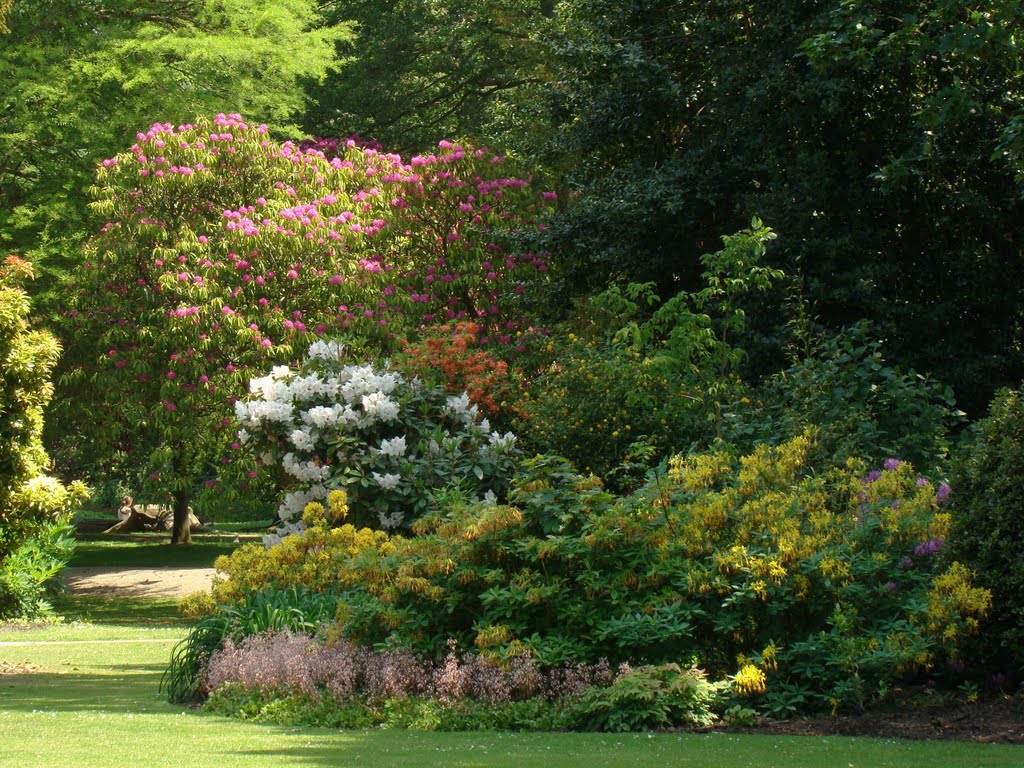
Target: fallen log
153, 517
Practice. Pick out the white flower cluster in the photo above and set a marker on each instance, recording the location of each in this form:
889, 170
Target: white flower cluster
304, 471
387, 481
501, 442
326, 350
460, 408
394, 447
329, 416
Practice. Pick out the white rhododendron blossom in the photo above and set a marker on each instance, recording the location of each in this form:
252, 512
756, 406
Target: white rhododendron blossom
461, 408
389, 442
326, 350
380, 406
393, 447
388, 481
501, 442
302, 438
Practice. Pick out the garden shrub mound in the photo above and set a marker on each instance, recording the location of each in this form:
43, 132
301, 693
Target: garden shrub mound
988, 529
806, 592
35, 508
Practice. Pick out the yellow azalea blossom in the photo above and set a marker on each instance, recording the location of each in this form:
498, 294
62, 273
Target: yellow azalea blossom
337, 503
749, 680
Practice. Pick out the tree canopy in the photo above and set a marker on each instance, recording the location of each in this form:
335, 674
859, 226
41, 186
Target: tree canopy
89, 74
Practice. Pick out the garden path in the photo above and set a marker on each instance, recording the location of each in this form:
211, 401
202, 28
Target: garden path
115, 581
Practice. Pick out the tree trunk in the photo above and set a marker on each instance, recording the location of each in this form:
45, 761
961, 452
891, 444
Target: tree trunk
181, 531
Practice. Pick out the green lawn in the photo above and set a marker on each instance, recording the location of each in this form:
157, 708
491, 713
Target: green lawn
152, 550
92, 702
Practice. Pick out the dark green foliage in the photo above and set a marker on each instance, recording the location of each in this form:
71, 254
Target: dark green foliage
988, 528
859, 405
882, 140
419, 71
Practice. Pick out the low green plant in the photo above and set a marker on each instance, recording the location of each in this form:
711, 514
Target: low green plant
290, 709
26, 575
651, 697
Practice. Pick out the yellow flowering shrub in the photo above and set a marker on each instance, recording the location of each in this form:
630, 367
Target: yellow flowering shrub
825, 586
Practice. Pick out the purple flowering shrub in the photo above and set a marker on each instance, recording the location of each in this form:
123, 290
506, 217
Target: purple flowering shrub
224, 252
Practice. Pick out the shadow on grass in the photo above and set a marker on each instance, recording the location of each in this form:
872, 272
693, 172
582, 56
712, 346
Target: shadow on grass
141, 612
127, 689
151, 551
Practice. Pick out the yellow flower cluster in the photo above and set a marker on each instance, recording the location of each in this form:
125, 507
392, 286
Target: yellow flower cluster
321, 558
337, 504
954, 605
749, 680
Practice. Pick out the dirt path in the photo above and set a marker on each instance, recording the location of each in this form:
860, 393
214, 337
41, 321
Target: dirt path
137, 582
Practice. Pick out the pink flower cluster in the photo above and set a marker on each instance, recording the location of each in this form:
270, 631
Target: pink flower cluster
281, 661
223, 247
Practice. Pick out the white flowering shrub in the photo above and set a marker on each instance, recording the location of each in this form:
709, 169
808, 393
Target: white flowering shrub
387, 441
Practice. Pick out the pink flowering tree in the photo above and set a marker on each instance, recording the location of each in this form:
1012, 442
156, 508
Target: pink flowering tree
225, 251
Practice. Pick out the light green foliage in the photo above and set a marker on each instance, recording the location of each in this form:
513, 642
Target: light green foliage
32, 504
25, 574
652, 697
647, 377
89, 74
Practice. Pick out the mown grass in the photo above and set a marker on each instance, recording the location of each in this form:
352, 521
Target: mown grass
153, 550
117, 611
92, 702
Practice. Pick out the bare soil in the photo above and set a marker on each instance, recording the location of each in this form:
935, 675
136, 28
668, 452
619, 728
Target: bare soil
137, 582
995, 719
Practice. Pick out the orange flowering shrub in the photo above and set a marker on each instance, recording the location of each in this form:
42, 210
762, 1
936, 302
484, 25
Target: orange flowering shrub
453, 357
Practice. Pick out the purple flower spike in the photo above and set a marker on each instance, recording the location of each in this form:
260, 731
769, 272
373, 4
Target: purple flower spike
890, 464
942, 493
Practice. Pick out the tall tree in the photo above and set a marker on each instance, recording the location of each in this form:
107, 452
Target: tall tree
83, 75
419, 71
880, 138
